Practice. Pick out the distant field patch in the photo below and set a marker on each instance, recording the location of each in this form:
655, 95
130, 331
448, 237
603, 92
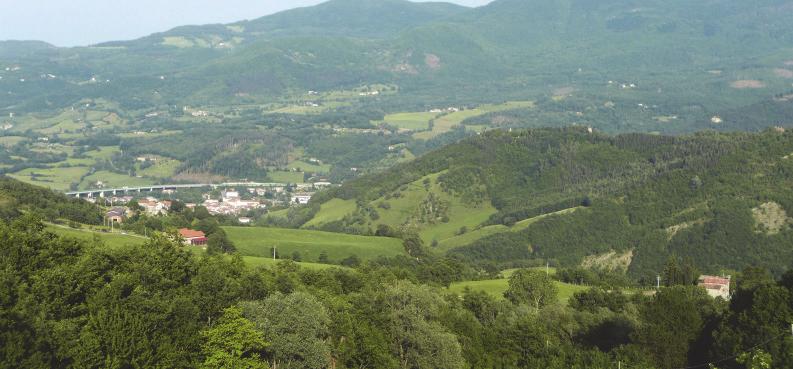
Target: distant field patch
113, 180
257, 241
286, 177
331, 211
497, 287
770, 218
783, 73
9, 141
747, 84
412, 121
180, 42
162, 168
257, 261
303, 166
110, 239
446, 122
59, 179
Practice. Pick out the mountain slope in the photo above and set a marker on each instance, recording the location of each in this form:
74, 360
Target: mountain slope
689, 60
722, 200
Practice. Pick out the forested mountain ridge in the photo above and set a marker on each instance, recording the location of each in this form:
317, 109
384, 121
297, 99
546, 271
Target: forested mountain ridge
438, 53
580, 198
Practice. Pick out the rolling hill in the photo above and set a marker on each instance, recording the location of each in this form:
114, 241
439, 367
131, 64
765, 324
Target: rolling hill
579, 198
680, 58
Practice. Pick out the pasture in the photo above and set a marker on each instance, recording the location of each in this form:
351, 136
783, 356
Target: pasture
257, 241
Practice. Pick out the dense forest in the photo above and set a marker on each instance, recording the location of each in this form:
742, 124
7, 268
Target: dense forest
68, 303
721, 200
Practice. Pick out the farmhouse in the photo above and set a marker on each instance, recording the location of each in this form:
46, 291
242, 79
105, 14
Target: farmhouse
193, 238
716, 286
116, 215
302, 198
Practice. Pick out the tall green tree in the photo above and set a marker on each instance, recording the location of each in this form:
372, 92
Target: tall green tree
532, 287
297, 327
233, 343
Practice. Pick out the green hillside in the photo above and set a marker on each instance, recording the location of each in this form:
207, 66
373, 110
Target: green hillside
253, 241
578, 198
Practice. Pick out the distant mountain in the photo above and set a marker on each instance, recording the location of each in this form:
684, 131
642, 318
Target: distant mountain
675, 56
578, 198
364, 19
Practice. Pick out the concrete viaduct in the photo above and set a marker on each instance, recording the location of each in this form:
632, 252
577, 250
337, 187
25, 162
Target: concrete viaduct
125, 190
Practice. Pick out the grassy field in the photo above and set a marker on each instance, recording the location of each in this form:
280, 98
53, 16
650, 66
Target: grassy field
332, 210
308, 167
258, 261
286, 177
255, 241
110, 239
163, 168
9, 141
114, 180
497, 287
472, 236
445, 123
413, 121
404, 209
55, 178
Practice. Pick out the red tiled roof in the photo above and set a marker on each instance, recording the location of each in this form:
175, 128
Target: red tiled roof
711, 280
189, 233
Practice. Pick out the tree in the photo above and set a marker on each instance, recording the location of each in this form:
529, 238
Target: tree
531, 286
673, 320
297, 326
409, 315
234, 342
757, 359
219, 243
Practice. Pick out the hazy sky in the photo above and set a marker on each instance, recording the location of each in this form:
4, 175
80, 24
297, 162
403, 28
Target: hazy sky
83, 22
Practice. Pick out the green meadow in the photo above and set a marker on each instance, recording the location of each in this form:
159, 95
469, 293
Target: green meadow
258, 241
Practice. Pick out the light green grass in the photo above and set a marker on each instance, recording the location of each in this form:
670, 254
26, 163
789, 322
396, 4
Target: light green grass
162, 168
113, 180
308, 167
114, 240
257, 261
331, 211
285, 177
475, 235
445, 123
58, 179
470, 237
9, 141
179, 42
497, 287
412, 121
256, 241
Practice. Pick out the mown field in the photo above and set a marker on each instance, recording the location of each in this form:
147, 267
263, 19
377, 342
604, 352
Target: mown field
255, 241
497, 287
110, 239
260, 261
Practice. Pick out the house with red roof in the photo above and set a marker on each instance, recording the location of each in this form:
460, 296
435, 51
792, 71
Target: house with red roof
716, 286
193, 238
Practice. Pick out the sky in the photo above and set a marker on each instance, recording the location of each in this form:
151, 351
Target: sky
85, 22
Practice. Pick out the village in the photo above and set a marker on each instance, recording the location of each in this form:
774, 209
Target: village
243, 204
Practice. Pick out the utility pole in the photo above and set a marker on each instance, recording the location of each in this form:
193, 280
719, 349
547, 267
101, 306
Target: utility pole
547, 268
658, 282
619, 365
274, 250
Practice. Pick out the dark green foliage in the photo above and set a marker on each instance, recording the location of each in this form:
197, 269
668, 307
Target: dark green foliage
16, 196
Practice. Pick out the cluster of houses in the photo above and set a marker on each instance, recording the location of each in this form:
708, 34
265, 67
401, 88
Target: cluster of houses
230, 203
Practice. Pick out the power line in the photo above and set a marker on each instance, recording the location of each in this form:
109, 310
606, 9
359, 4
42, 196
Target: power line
738, 354
733, 356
